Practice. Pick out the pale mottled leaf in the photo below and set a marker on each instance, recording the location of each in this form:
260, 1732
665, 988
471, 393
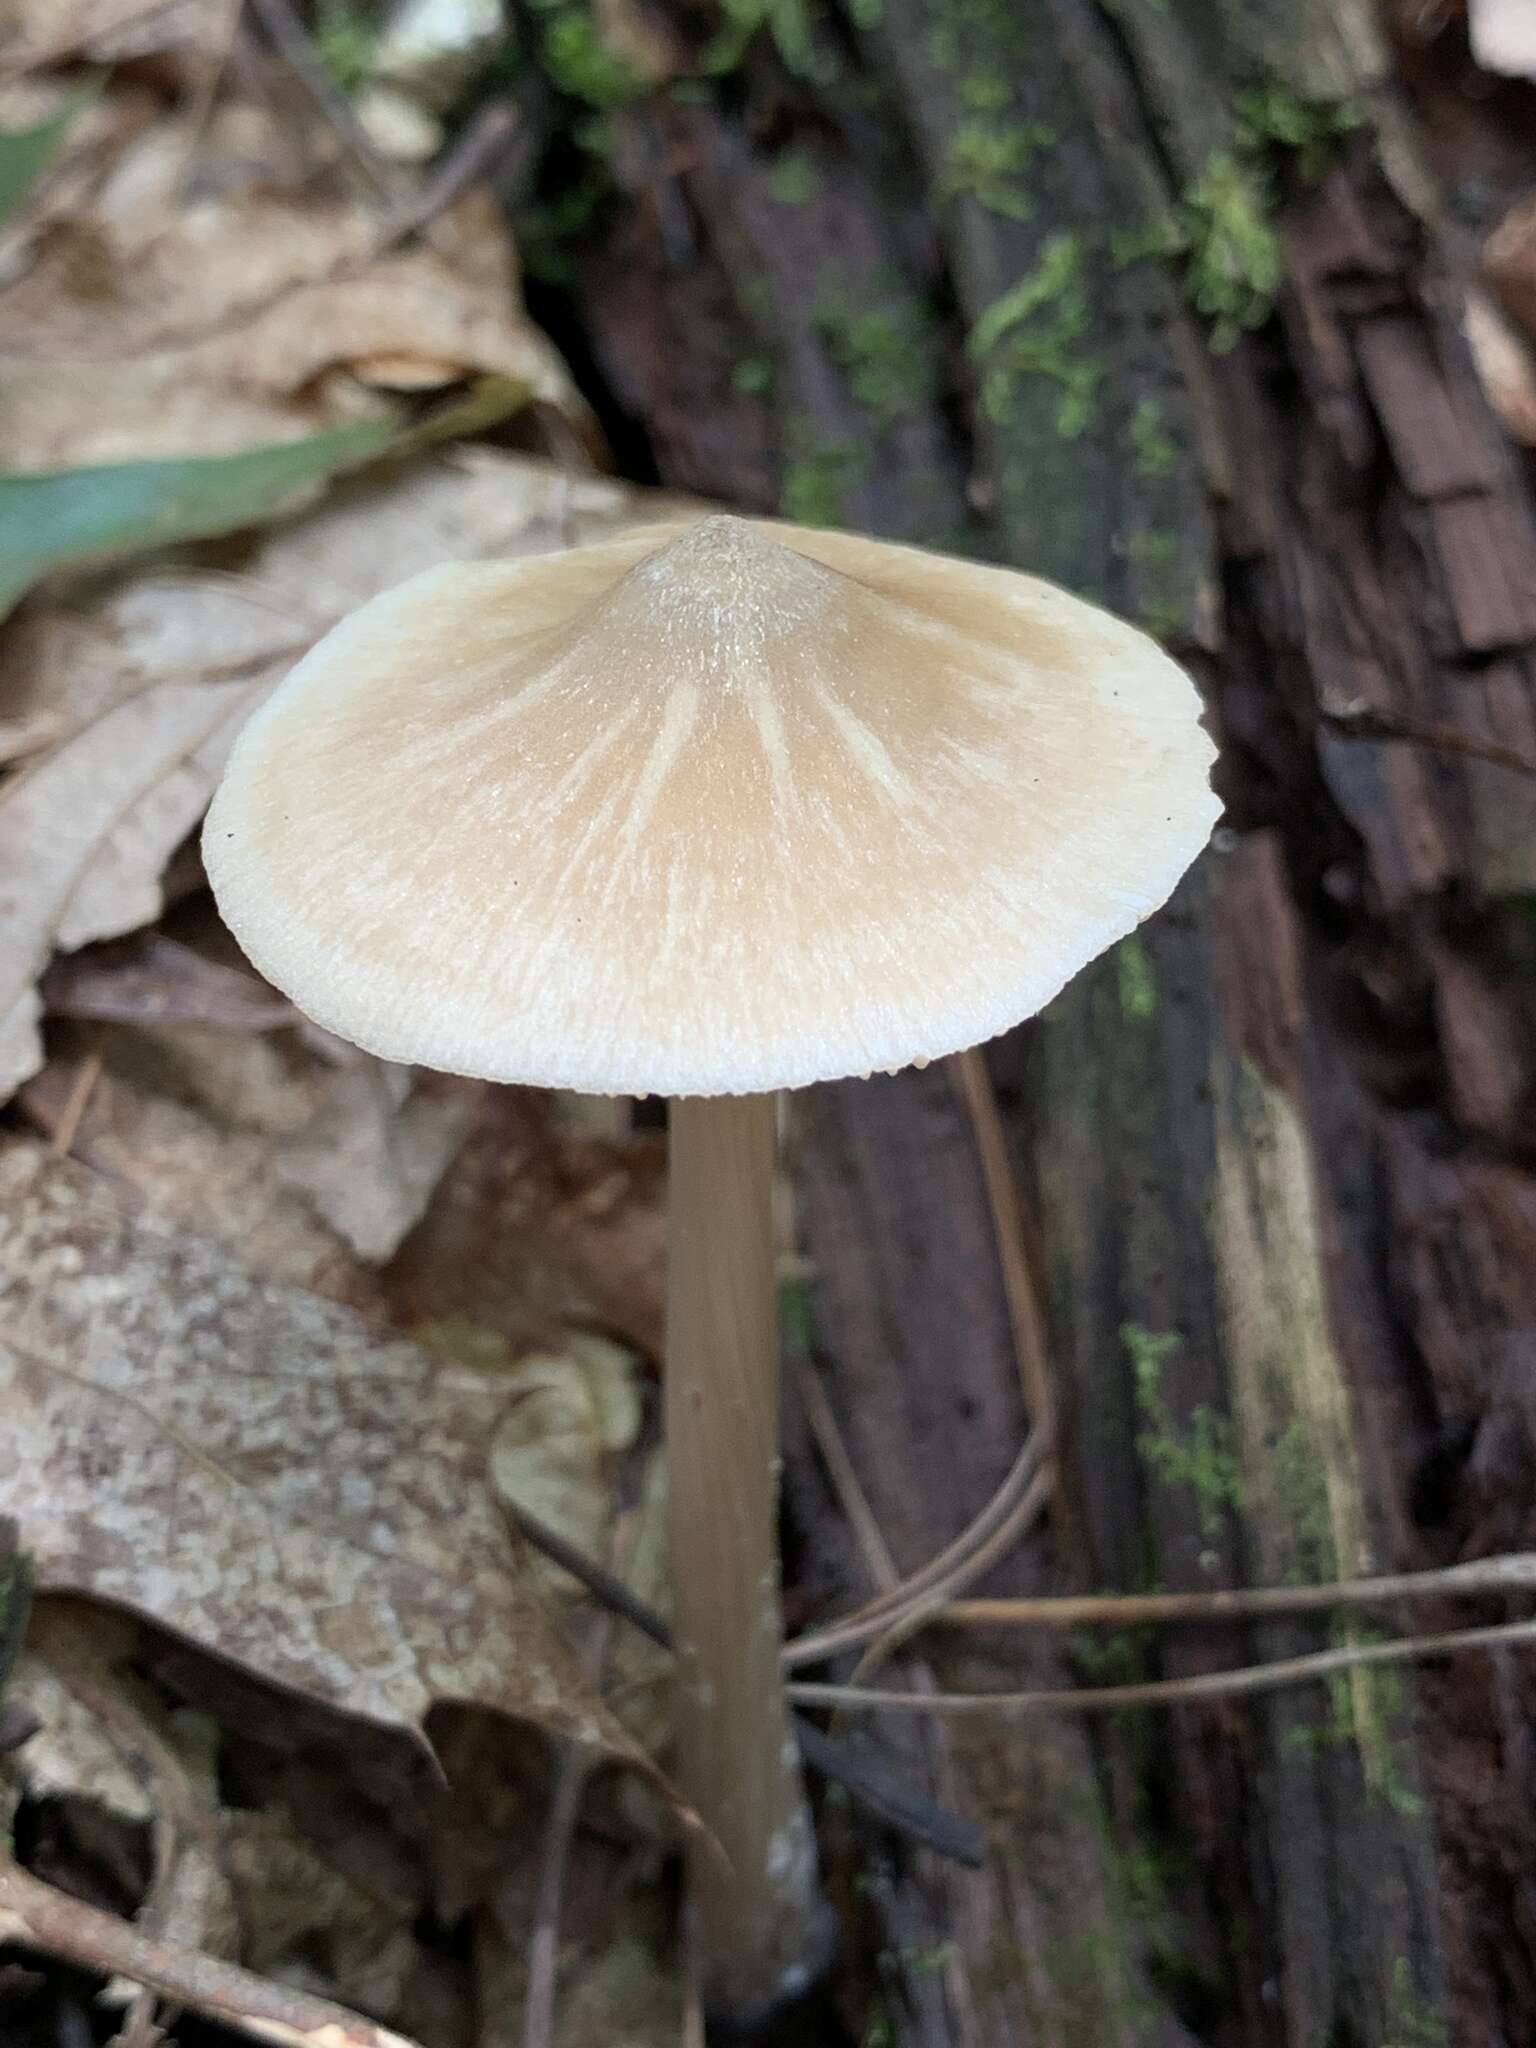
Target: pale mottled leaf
259, 1470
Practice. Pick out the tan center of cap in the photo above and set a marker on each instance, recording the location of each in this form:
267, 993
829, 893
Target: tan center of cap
716, 597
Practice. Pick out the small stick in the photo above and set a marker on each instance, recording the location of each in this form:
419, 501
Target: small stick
868, 1620
862, 1775
476, 150
287, 35
1167, 1692
851, 1497
38, 1916
75, 1103
1514, 1571
1007, 1209
1359, 722
896, 1628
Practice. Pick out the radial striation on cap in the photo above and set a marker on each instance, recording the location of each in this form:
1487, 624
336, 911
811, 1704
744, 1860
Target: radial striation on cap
705, 810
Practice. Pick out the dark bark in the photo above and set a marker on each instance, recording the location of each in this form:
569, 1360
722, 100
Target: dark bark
1279, 1147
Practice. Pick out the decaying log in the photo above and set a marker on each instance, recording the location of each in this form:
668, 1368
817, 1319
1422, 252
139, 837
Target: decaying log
1157, 300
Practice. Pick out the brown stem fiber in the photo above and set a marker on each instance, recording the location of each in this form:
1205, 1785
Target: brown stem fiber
760, 1919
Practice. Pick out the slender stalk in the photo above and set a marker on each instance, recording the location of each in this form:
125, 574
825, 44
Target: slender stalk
760, 1921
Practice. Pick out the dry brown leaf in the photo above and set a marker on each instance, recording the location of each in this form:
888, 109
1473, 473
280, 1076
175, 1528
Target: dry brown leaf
1503, 36
189, 1173
536, 1227
164, 317
309, 1924
568, 1414
95, 795
363, 1142
124, 702
104, 1741
620, 1996
150, 979
371, 1156
38, 31
255, 1469
1505, 363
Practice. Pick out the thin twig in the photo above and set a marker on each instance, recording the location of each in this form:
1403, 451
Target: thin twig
18, 60
81, 1090
471, 157
868, 1620
572, 1773
907, 1620
1001, 1186
863, 1775
693, 2031
851, 1497
35, 1915
1509, 1573
1360, 722
287, 35
1167, 1692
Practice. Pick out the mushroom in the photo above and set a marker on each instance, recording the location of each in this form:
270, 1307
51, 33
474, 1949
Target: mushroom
715, 809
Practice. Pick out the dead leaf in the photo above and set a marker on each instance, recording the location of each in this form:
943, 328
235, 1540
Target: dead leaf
256, 1470
103, 1741
188, 1173
52, 31
307, 1923
568, 1414
1505, 363
1503, 34
124, 703
60, 811
150, 979
536, 1228
375, 1150
164, 318
619, 1996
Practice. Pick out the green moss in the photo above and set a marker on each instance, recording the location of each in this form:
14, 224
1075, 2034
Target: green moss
818, 478
1162, 599
984, 159
794, 179
881, 349
1202, 1455
1158, 238
1301, 1479
1113, 1657
345, 41
1234, 259
1036, 330
788, 24
753, 377
1411, 2021
984, 92
577, 59
867, 14
1235, 264
1137, 986
1155, 450
15, 1608
550, 229
1271, 117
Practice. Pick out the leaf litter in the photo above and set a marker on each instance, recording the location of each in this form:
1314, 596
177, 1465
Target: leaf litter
225, 1456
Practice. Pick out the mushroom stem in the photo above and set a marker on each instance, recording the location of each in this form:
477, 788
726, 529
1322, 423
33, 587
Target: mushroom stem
760, 1922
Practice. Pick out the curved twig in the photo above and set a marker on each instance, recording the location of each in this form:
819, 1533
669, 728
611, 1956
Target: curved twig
1169, 1692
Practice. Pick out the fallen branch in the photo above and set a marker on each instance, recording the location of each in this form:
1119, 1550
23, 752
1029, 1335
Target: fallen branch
1169, 1692
39, 1917
1512, 1572
879, 1786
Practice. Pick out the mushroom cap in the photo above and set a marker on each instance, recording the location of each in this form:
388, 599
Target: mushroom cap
715, 807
